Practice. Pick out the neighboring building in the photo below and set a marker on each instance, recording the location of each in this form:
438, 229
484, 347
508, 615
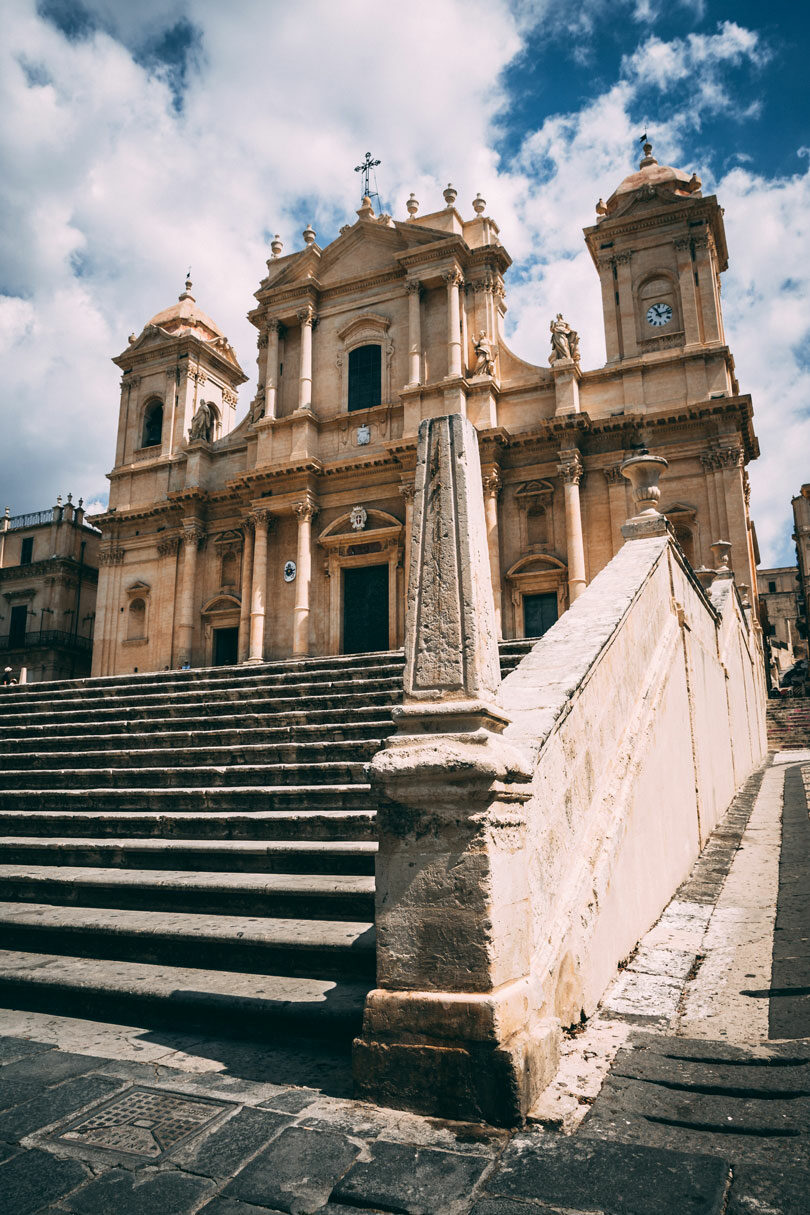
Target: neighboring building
778, 592
801, 535
286, 533
48, 583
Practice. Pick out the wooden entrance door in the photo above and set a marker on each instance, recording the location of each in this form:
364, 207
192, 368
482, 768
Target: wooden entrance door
539, 613
365, 609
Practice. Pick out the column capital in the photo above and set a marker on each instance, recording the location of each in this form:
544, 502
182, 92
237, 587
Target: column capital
570, 468
407, 489
453, 277
492, 482
273, 325
613, 474
193, 535
306, 509
262, 341
307, 316
259, 517
114, 555
168, 546
413, 286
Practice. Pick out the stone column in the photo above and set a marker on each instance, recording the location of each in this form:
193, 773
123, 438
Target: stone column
492, 489
686, 281
307, 318
306, 510
247, 589
452, 1028
168, 549
570, 470
414, 289
271, 369
193, 537
627, 308
453, 280
261, 521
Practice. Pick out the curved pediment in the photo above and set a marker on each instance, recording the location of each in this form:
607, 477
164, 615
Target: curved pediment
375, 521
221, 603
537, 563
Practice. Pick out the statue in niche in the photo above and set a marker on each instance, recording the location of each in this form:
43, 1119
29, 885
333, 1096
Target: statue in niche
202, 424
485, 359
564, 340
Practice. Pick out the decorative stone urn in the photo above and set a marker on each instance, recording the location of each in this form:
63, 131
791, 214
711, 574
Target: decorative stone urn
644, 472
721, 551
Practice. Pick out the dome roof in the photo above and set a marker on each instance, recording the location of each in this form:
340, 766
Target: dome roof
186, 317
651, 174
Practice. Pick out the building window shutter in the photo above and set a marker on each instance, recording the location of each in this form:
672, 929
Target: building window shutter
365, 377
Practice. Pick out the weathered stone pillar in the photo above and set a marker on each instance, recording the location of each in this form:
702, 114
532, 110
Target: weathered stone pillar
306, 511
271, 369
193, 537
261, 521
247, 589
453, 280
570, 470
414, 289
168, 549
451, 1029
492, 489
307, 319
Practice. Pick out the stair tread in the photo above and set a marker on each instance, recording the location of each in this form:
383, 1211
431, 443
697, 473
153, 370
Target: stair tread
160, 844
263, 930
212, 790
172, 983
161, 879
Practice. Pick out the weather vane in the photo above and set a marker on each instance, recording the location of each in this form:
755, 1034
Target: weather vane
365, 168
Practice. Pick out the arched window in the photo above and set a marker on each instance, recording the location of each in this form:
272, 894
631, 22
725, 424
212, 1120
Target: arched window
136, 620
365, 377
152, 424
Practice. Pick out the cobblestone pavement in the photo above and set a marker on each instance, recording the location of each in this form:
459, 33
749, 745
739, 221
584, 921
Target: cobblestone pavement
647, 1116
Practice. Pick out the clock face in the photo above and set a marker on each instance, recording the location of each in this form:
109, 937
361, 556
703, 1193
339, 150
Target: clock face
659, 314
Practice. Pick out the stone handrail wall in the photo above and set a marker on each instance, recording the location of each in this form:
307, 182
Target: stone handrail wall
644, 710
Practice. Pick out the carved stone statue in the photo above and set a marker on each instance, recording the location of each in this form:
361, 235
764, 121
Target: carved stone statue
564, 340
485, 360
202, 424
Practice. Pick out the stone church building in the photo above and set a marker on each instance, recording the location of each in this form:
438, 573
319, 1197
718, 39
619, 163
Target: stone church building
283, 532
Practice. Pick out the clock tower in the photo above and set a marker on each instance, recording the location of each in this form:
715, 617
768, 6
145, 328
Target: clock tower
659, 247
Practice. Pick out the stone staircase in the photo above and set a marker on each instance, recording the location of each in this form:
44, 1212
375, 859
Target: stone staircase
788, 722
196, 848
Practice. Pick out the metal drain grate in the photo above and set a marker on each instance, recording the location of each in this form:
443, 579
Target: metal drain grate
142, 1122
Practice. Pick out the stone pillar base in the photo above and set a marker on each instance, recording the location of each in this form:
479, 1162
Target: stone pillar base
463, 1056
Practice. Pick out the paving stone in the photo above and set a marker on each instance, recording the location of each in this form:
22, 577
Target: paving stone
20, 1048
509, 1206
760, 1190
27, 1077
35, 1178
140, 1193
610, 1177
224, 1150
231, 1206
7, 1150
292, 1101
296, 1172
420, 1181
54, 1104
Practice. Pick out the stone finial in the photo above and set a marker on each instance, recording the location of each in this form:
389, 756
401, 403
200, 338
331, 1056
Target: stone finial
648, 158
601, 209
479, 204
450, 194
58, 499
187, 293
276, 245
412, 206
451, 647
132, 339
366, 211
309, 235
705, 576
721, 551
81, 503
644, 472
8, 512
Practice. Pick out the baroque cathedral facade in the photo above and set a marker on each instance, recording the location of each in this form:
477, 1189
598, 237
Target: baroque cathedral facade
284, 532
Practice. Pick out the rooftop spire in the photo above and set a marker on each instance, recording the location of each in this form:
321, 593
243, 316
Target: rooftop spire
648, 158
187, 293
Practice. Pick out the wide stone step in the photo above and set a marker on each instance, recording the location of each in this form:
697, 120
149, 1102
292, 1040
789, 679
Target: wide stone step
242, 753
211, 776
199, 693
227, 1002
278, 825
223, 856
272, 709
323, 798
256, 945
321, 723
174, 735
300, 896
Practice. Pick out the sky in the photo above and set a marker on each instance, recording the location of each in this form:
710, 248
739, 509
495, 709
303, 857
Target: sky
139, 140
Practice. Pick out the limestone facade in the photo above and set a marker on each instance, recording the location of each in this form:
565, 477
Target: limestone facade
778, 593
801, 535
282, 530
48, 583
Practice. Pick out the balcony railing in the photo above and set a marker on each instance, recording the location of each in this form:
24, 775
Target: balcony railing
48, 639
34, 520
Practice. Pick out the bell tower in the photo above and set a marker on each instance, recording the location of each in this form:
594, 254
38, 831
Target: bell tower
659, 247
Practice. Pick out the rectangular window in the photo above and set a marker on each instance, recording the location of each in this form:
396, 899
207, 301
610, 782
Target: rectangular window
27, 551
365, 377
16, 632
772, 588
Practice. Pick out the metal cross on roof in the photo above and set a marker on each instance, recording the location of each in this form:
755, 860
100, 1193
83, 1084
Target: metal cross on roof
365, 168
